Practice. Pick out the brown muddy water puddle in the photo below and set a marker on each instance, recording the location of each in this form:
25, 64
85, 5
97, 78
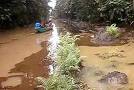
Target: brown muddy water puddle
100, 60
22, 58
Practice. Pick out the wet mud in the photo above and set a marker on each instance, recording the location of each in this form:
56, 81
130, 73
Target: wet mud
99, 61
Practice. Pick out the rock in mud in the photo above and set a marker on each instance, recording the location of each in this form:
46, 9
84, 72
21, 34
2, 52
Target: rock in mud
115, 78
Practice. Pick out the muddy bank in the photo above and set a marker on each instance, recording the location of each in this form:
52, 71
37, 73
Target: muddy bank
95, 34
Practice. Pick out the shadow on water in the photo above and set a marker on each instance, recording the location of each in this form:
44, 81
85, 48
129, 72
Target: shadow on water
32, 66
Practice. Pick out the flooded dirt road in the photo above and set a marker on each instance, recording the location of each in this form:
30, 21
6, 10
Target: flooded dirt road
22, 58
23, 52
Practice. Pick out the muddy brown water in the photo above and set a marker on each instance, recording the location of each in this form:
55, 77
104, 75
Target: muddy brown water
25, 55
22, 58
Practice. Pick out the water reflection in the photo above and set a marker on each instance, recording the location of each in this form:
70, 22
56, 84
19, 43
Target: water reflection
52, 3
53, 43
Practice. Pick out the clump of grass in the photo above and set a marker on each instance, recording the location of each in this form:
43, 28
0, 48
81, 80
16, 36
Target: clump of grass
56, 82
113, 30
68, 56
67, 39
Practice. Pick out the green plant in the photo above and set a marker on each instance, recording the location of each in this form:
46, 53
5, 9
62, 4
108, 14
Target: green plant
68, 59
68, 56
113, 30
56, 82
67, 39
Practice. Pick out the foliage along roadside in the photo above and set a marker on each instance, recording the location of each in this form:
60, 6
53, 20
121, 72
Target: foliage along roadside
56, 82
114, 11
68, 60
22, 12
68, 56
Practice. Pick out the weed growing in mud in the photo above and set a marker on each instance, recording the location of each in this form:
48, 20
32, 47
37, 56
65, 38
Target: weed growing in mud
67, 39
68, 60
56, 82
113, 30
68, 56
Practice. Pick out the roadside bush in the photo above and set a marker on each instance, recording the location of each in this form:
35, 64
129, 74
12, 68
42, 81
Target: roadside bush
68, 56
113, 30
114, 11
56, 82
84, 10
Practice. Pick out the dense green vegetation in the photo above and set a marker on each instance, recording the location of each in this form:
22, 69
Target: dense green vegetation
114, 11
113, 30
56, 82
22, 12
68, 59
68, 56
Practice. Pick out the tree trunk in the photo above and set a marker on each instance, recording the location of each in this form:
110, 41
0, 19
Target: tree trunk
133, 5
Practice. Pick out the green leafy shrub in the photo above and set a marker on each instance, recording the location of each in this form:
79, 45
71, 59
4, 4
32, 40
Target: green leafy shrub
56, 82
68, 56
113, 30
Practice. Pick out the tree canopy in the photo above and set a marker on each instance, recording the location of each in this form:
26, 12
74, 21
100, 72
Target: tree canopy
22, 12
93, 10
